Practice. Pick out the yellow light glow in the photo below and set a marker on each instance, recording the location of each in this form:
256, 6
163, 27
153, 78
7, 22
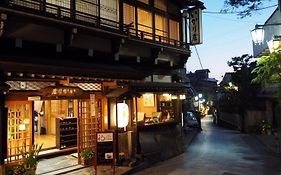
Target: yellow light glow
182, 97
22, 127
122, 114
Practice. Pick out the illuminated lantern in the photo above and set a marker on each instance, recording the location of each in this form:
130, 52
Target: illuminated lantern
122, 114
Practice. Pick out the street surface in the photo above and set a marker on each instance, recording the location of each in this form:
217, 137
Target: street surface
219, 151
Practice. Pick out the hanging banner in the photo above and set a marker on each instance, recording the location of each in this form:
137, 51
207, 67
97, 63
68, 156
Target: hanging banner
195, 26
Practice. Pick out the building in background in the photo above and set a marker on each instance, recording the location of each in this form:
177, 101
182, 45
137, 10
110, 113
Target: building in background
205, 90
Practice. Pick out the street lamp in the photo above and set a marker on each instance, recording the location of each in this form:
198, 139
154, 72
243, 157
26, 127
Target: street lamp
258, 36
258, 32
274, 44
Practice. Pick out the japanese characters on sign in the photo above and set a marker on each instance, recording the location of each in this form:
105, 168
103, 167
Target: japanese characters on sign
195, 26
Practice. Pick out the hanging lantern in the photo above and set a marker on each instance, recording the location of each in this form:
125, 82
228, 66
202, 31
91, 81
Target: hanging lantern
122, 114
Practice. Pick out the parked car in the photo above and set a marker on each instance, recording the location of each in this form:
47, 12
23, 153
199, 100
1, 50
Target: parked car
190, 121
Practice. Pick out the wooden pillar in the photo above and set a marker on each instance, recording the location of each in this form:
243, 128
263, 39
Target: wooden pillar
121, 15
3, 133
3, 123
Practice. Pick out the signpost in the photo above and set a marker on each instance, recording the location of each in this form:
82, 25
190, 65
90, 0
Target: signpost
105, 150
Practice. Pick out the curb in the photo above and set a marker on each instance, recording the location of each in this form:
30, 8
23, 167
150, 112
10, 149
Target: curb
143, 165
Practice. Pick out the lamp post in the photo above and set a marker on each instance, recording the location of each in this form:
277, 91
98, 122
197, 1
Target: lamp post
258, 36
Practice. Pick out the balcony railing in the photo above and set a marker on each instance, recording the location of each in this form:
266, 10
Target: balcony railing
88, 13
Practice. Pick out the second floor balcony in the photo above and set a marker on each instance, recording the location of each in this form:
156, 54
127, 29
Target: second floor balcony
157, 24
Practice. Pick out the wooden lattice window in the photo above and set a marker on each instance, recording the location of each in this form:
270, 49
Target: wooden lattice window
19, 129
89, 122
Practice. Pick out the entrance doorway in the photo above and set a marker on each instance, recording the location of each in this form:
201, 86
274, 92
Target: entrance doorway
53, 120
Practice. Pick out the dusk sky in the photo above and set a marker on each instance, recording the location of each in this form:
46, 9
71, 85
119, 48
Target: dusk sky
225, 36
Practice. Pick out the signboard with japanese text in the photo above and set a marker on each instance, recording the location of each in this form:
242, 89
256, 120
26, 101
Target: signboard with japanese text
105, 148
195, 26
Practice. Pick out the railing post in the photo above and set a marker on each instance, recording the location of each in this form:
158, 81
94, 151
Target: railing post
59, 12
72, 9
142, 35
43, 6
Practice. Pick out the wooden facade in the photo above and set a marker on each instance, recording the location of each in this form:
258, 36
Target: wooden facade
80, 43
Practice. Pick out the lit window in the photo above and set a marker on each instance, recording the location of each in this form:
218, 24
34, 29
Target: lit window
144, 1
129, 15
174, 31
145, 23
161, 4
86, 8
161, 28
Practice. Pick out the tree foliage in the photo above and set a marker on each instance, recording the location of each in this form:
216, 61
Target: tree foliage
268, 71
247, 6
240, 63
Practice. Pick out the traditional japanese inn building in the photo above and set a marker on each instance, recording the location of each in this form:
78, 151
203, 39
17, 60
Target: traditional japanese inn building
68, 66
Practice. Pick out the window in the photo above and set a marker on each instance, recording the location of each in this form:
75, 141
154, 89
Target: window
108, 10
161, 28
129, 15
85, 8
145, 23
58, 7
144, 1
161, 4
174, 31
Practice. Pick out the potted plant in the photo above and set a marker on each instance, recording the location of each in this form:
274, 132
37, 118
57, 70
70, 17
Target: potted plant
87, 156
29, 162
30, 159
265, 127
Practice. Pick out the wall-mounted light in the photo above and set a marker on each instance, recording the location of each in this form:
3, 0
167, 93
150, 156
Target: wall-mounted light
274, 44
122, 114
22, 127
182, 97
257, 34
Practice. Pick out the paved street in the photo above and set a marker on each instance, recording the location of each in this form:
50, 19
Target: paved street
218, 151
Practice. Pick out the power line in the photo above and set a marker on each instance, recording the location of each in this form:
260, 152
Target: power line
237, 12
198, 56
228, 19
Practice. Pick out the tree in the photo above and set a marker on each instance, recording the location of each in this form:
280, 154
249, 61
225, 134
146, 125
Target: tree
268, 71
242, 78
248, 6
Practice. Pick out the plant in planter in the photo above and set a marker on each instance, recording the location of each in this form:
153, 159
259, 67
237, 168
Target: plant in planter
30, 159
29, 162
264, 127
87, 156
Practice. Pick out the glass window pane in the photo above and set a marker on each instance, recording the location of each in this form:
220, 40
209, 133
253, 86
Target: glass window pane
161, 4
174, 31
129, 15
84, 10
144, 1
145, 23
161, 28
108, 10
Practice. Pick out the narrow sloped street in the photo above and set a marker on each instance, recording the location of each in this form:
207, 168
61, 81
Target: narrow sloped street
219, 151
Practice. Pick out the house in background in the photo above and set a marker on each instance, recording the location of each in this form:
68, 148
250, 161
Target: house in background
205, 89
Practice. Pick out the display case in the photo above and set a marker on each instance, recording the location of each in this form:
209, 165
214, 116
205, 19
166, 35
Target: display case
66, 131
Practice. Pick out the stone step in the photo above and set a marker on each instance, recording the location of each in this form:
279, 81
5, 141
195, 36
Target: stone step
64, 170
